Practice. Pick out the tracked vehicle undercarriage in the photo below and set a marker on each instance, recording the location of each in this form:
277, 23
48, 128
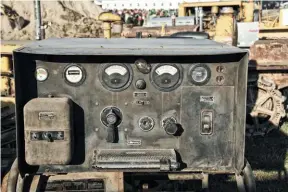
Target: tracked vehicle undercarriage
267, 86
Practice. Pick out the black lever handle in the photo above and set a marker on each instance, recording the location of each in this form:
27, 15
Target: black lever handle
111, 134
111, 119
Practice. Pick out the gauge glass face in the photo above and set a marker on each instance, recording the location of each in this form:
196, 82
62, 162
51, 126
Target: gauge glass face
74, 74
116, 69
116, 76
41, 74
166, 77
199, 74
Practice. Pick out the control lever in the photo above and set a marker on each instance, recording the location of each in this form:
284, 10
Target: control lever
48, 136
111, 119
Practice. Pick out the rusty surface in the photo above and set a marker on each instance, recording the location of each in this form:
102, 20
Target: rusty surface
114, 181
269, 53
280, 79
156, 31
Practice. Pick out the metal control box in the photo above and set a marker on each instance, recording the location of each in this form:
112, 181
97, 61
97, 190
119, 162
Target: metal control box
138, 105
48, 126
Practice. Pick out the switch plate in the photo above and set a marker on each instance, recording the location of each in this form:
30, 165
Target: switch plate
206, 122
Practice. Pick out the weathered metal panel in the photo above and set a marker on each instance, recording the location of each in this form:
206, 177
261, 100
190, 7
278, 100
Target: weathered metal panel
194, 148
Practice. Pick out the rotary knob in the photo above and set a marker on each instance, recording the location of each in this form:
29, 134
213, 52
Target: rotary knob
146, 123
170, 126
140, 84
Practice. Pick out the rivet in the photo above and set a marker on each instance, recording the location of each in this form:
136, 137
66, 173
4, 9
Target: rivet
96, 129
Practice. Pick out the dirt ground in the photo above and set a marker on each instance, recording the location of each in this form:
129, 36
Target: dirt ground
59, 19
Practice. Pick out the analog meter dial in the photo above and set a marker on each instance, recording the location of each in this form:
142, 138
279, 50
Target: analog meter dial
41, 74
166, 77
199, 74
74, 75
116, 77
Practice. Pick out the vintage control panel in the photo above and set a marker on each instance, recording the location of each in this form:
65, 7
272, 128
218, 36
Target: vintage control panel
123, 109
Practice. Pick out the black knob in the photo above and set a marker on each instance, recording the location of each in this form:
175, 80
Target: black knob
48, 137
170, 126
140, 84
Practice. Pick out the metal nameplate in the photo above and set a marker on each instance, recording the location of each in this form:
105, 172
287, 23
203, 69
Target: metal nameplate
207, 99
134, 142
140, 94
46, 115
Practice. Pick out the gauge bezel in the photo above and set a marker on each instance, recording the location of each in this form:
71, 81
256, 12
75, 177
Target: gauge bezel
83, 75
146, 130
199, 65
105, 66
40, 67
177, 66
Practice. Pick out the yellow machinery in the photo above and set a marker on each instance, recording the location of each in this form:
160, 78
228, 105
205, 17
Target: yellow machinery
7, 80
219, 18
108, 18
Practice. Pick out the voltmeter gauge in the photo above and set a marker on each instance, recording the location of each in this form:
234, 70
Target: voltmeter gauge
74, 75
199, 74
166, 77
116, 77
41, 74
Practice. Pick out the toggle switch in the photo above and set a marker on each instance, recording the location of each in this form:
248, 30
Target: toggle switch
206, 122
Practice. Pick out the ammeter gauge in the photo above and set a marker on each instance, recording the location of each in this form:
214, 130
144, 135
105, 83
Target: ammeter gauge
116, 77
166, 77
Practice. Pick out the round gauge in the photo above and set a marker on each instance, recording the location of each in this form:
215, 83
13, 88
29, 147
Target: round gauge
116, 77
146, 123
41, 74
199, 74
74, 74
166, 77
